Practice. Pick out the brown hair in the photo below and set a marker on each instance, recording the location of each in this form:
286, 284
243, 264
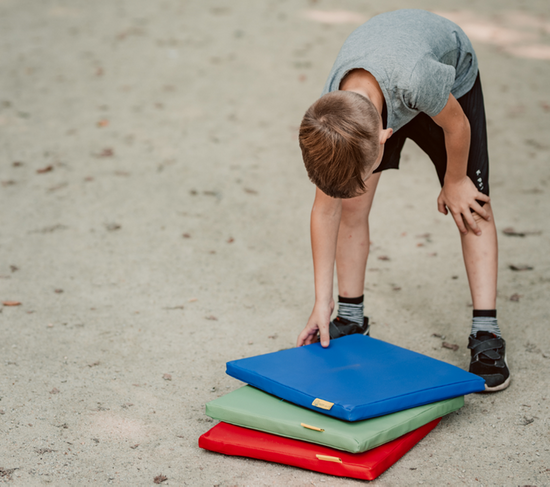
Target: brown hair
339, 142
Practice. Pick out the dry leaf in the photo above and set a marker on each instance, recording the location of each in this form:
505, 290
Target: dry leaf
450, 346
159, 479
515, 297
44, 169
521, 267
5, 473
167, 376
107, 152
41, 451
513, 233
11, 303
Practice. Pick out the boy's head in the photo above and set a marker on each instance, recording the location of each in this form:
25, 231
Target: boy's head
340, 138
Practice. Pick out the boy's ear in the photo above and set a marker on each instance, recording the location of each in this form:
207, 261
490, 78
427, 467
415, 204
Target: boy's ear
385, 135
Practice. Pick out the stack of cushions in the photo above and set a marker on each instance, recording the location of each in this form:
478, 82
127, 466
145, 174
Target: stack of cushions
352, 409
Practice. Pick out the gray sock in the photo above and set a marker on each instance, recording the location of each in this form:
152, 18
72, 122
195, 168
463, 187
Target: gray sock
485, 323
351, 309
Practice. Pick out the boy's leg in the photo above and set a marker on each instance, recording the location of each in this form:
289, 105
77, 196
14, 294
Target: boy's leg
488, 349
481, 261
354, 243
352, 250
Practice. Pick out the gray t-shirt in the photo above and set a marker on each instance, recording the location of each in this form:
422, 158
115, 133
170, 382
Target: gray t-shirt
417, 57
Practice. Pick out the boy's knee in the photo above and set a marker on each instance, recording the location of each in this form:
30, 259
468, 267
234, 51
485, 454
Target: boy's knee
354, 212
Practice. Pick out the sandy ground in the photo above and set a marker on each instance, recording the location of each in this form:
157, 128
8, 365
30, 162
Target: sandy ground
154, 225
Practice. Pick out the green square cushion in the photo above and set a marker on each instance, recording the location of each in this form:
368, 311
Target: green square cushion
255, 409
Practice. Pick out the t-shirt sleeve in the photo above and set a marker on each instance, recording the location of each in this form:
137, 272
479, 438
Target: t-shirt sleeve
430, 85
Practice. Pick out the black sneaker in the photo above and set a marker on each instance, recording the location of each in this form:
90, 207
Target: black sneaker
489, 360
340, 327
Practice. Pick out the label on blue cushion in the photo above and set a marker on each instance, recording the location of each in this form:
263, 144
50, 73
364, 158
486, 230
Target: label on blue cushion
319, 403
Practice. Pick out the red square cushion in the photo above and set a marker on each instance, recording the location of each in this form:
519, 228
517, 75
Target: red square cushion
234, 440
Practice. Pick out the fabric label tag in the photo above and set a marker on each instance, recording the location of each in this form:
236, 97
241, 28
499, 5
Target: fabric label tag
314, 428
320, 403
326, 458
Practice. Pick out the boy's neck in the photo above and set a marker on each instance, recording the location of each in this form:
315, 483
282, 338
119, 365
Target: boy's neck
362, 82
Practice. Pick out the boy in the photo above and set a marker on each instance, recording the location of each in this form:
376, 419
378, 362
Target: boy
403, 74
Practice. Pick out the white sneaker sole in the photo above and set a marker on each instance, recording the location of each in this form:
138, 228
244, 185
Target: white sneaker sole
502, 386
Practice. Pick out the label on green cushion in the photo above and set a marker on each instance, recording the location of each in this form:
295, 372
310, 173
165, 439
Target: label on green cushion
255, 409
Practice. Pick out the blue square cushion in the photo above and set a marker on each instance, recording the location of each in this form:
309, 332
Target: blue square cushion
356, 377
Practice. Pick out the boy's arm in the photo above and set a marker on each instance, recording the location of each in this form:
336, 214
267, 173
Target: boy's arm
325, 221
459, 193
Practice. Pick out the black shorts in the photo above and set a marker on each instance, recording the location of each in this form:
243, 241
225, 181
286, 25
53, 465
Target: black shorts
430, 138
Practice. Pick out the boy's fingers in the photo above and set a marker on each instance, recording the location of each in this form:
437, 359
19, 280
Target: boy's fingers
325, 337
481, 212
302, 338
483, 197
472, 224
460, 223
441, 207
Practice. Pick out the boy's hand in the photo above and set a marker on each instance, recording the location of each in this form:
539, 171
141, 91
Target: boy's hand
459, 197
317, 323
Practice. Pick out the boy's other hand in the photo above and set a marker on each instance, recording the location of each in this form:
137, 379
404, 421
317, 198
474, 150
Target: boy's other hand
460, 197
317, 324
